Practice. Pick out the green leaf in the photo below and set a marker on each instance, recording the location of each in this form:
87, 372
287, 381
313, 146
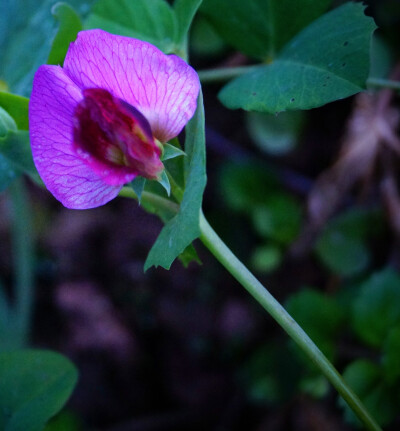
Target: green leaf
365, 378
7, 173
275, 134
69, 26
6, 123
377, 308
278, 218
260, 28
64, 421
327, 61
17, 107
34, 387
189, 255
204, 41
185, 10
266, 258
342, 254
16, 150
391, 355
138, 186
342, 245
164, 181
170, 152
184, 228
151, 20
27, 29
319, 315
245, 185
271, 374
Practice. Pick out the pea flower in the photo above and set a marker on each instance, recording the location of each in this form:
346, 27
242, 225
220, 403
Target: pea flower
98, 122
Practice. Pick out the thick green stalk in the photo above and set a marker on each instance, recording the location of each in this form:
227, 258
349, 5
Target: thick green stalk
23, 251
224, 255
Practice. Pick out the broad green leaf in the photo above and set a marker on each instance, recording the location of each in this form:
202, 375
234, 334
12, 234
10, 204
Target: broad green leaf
377, 308
319, 315
17, 107
69, 26
185, 10
391, 355
260, 28
275, 134
27, 29
327, 61
365, 378
184, 228
34, 387
151, 20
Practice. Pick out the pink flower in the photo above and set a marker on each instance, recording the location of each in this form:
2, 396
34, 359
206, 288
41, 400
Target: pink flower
94, 122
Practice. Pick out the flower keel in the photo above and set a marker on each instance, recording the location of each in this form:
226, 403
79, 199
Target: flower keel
114, 138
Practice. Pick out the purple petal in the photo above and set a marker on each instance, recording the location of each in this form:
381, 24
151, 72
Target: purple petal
65, 174
162, 87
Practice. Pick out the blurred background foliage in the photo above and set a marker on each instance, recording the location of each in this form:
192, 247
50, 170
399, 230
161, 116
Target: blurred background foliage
308, 200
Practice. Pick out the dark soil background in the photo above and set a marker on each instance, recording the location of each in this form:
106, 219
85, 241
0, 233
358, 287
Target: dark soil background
166, 350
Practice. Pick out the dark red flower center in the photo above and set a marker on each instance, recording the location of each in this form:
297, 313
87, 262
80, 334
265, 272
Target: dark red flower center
110, 133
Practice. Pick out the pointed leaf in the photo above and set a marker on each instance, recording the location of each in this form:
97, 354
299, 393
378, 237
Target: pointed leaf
170, 152
164, 181
308, 74
138, 186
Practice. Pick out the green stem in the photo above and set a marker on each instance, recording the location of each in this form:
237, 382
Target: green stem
152, 199
383, 83
217, 247
23, 252
226, 73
